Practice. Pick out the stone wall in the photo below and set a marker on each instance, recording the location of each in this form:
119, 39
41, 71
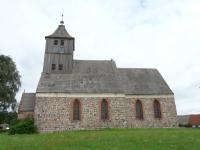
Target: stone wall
23, 115
54, 113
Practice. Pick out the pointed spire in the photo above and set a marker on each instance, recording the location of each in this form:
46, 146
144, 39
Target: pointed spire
62, 22
60, 32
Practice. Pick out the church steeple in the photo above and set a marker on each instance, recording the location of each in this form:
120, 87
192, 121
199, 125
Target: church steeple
62, 22
59, 51
60, 32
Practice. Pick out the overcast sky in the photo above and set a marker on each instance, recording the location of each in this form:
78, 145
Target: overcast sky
162, 34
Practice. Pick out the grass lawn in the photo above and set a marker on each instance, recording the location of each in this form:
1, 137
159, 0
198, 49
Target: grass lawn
115, 139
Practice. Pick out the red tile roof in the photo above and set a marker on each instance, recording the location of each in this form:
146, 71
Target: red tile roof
194, 120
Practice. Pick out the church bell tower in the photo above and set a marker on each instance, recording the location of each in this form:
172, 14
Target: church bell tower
59, 51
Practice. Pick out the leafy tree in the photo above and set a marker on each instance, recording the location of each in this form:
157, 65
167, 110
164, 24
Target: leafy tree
9, 83
8, 117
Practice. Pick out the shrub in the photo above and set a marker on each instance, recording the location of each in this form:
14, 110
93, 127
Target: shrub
23, 126
185, 125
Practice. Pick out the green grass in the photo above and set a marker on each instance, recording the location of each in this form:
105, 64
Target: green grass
111, 139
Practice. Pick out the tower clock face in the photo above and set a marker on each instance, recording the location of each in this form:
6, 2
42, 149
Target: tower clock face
61, 49
58, 49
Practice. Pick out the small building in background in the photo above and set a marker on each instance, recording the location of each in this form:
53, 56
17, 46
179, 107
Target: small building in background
189, 121
4, 127
194, 121
26, 106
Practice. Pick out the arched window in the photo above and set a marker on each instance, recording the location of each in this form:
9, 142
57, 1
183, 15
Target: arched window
76, 110
139, 111
104, 109
157, 110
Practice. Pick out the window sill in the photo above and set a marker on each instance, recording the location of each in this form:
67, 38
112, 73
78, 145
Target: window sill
76, 121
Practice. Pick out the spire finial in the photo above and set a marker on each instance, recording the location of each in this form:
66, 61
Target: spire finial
62, 22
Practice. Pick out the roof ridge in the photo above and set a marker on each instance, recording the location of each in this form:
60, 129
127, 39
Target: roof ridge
91, 60
138, 68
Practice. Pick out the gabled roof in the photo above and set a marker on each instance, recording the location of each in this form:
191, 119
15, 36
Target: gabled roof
60, 32
87, 77
139, 81
27, 102
92, 76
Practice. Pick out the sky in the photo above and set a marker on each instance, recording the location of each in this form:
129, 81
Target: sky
162, 34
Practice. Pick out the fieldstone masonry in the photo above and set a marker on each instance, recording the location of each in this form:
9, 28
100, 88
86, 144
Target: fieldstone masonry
55, 113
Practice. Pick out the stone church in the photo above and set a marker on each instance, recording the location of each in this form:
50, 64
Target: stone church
88, 94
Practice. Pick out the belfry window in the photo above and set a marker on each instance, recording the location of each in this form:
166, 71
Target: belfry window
76, 110
104, 110
60, 67
62, 43
53, 67
139, 111
55, 42
157, 110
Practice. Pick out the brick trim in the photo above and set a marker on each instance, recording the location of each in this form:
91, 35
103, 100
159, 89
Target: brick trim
72, 110
108, 108
142, 109
156, 100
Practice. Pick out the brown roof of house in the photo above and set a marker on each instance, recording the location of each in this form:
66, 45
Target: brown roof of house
194, 119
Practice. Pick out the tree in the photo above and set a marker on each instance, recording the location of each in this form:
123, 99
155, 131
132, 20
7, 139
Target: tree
9, 83
8, 117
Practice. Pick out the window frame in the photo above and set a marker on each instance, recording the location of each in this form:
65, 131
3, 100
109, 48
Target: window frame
62, 42
104, 115
53, 67
140, 114
55, 42
60, 67
76, 117
157, 109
